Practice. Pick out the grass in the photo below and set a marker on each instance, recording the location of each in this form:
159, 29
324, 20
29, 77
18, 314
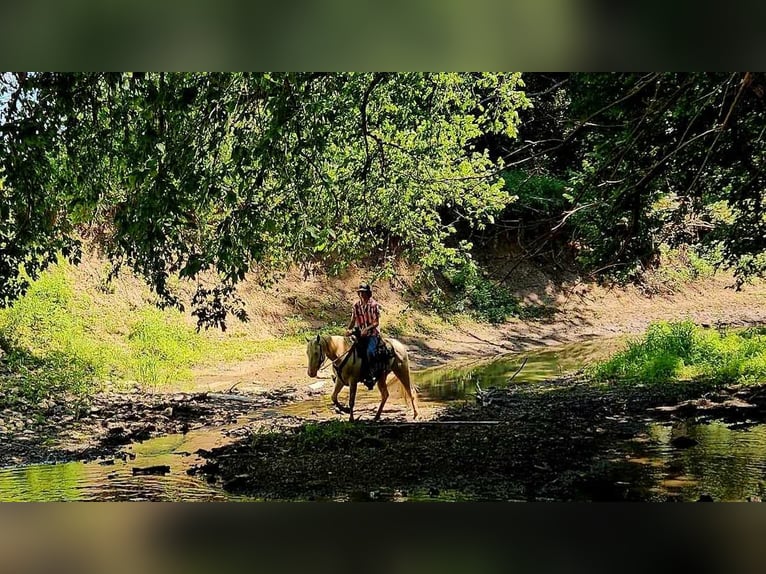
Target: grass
683, 351
64, 338
476, 295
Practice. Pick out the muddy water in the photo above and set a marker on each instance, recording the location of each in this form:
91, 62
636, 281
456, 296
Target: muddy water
727, 462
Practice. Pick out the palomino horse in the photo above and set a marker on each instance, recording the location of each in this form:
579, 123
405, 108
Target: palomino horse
347, 367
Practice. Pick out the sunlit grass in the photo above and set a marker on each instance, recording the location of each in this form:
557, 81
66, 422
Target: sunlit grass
683, 351
62, 339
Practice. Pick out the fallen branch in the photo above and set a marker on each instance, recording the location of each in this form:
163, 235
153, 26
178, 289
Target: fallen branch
231, 388
524, 362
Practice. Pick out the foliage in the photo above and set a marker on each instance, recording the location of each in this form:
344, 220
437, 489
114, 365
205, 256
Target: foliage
678, 267
163, 348
31, 378
487, 300
682, 351
245, 174
49, 324
67, 340
624, 144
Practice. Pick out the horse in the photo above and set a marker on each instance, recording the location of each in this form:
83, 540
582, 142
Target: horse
347, 369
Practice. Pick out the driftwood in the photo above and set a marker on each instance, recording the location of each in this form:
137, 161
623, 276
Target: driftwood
524, 362
492, 394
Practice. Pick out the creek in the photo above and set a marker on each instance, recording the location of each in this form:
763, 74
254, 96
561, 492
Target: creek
725, 461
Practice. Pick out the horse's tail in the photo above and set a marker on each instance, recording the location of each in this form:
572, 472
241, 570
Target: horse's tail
404, 377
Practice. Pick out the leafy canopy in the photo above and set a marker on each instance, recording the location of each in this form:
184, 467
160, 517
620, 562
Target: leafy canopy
245, 174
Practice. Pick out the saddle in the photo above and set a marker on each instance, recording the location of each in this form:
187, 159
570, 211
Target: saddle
384, 351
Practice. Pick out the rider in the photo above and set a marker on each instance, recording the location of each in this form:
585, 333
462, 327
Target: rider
366, 317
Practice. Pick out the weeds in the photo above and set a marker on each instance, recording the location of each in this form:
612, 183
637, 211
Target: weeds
671, 352
484, 299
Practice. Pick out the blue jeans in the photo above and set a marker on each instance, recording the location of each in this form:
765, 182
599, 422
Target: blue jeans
372, 345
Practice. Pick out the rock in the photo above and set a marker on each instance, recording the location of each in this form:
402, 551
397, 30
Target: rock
683, 442
705, 498
754, 498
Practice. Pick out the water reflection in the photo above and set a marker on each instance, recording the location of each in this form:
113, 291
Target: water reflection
116, 482
456, 383
726, 463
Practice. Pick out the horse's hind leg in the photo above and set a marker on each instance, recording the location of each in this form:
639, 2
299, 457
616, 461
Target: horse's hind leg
403, 375
351, 399
383, 395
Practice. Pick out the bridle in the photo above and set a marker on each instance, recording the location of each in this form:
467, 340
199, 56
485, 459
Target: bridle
339, 362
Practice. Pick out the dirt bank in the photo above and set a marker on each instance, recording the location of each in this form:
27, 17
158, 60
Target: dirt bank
582, 312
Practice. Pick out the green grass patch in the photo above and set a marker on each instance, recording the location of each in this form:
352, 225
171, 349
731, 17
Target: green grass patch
62, 337
683, 351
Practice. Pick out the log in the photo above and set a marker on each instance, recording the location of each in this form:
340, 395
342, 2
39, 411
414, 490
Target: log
161, 469
232, 397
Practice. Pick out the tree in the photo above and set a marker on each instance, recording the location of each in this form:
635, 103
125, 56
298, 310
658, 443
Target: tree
246, 174
643, 159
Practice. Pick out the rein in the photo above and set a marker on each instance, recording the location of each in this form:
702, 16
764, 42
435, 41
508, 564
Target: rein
336, 365
343, 358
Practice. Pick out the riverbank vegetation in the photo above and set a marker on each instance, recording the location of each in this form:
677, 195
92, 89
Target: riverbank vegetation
671, 352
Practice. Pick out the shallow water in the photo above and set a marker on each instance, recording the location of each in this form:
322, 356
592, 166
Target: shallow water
116, 482
728, 463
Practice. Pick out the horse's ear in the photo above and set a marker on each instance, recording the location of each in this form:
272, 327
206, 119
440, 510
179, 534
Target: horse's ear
308, 339
317, 339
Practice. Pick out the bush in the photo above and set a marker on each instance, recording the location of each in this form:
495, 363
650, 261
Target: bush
43, 328
163, 348
683, 351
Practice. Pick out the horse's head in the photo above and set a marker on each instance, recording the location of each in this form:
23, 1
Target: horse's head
315, 354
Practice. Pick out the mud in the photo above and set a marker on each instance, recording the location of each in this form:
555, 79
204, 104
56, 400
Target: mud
102, 427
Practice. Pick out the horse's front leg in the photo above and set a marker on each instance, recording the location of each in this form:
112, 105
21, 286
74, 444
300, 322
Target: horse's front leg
338, 387
351, 399
383, 388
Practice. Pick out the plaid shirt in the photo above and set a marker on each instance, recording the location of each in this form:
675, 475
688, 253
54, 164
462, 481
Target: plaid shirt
365, 315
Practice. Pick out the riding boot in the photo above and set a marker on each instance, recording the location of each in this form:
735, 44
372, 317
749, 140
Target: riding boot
369, 375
